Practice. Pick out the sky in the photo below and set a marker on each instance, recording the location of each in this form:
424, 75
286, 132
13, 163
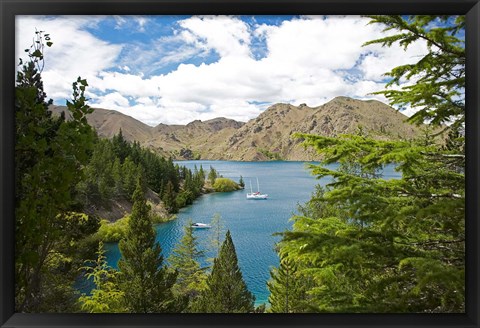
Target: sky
176, 69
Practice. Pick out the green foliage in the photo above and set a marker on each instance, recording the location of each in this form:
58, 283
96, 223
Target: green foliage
192, 186
62, 168
106, 297
36, 50
212, 175
226, 290
439, 75
113, 231
49, 156
225, 184
185, 260
98, 184
145, 281
375, 245
121, 147
115, 165
241, 183
169, 198
130, 174
272, 155
261, 308
216, 232
287, 289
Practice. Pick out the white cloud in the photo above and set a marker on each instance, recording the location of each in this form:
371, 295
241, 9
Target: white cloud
228, 36
113, 100
141, 21
307, 60
382, 60
74, 53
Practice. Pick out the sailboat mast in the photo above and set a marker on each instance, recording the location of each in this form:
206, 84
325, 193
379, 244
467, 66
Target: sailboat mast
258, 186
251, 189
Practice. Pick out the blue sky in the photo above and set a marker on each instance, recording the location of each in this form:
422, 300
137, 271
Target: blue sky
176, 69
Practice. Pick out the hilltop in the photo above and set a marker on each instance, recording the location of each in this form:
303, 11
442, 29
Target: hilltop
266, 137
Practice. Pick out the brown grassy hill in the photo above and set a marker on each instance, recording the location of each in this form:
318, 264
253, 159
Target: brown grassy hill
269, 136
197, 139
180, 141
346, 115
108, 123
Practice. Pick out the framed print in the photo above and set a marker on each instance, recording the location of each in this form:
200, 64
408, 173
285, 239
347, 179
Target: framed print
247, 163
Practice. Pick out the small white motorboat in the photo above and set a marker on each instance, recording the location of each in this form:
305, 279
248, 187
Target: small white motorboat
199, 225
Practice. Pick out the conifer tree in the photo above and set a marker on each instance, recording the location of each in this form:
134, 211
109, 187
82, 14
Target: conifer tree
287, 289
130, 172
106, 297
169, 198
117, 174
146, 282
394, 245
226, 290
202, 174
241, 183
438, 91
215, 237
120, 146
185, 260
212, 175
49, 156
99, 172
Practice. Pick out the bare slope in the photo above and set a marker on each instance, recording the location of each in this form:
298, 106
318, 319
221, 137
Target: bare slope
269, 136
108, 123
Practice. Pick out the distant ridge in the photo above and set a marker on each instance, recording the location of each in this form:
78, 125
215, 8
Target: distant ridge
266, 137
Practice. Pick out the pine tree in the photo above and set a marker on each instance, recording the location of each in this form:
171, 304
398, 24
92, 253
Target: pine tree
241, 183
375, 245
212, 175
287, 289
117, 174
49, 156
438, 91
146, 282
120, 146
185, 260
202, 174
169, 198
130, 172
215, 237
226, 290
106, 297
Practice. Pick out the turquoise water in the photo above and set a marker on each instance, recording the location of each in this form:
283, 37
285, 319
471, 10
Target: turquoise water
252, 223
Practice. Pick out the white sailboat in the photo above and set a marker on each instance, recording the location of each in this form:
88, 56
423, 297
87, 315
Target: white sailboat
256, 195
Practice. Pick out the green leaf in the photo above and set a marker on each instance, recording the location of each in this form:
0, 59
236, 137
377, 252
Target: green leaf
37, 53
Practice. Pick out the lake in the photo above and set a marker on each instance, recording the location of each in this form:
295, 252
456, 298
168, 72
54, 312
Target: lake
252, 223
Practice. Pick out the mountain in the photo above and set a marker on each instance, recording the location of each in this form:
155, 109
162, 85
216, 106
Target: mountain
269, 136
266, 137
107, 123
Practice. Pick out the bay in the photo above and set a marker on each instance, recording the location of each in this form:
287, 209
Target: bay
252, 223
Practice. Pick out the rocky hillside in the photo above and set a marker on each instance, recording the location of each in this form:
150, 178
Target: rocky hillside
269, 136
107, 123
195, 140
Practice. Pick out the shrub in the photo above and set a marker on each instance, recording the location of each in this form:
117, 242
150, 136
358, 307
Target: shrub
114, 231
225, 184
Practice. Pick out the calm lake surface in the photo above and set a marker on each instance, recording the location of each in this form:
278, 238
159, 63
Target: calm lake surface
252, 223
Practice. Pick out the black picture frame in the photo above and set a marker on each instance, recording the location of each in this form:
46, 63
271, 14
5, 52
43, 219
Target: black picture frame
10, 8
